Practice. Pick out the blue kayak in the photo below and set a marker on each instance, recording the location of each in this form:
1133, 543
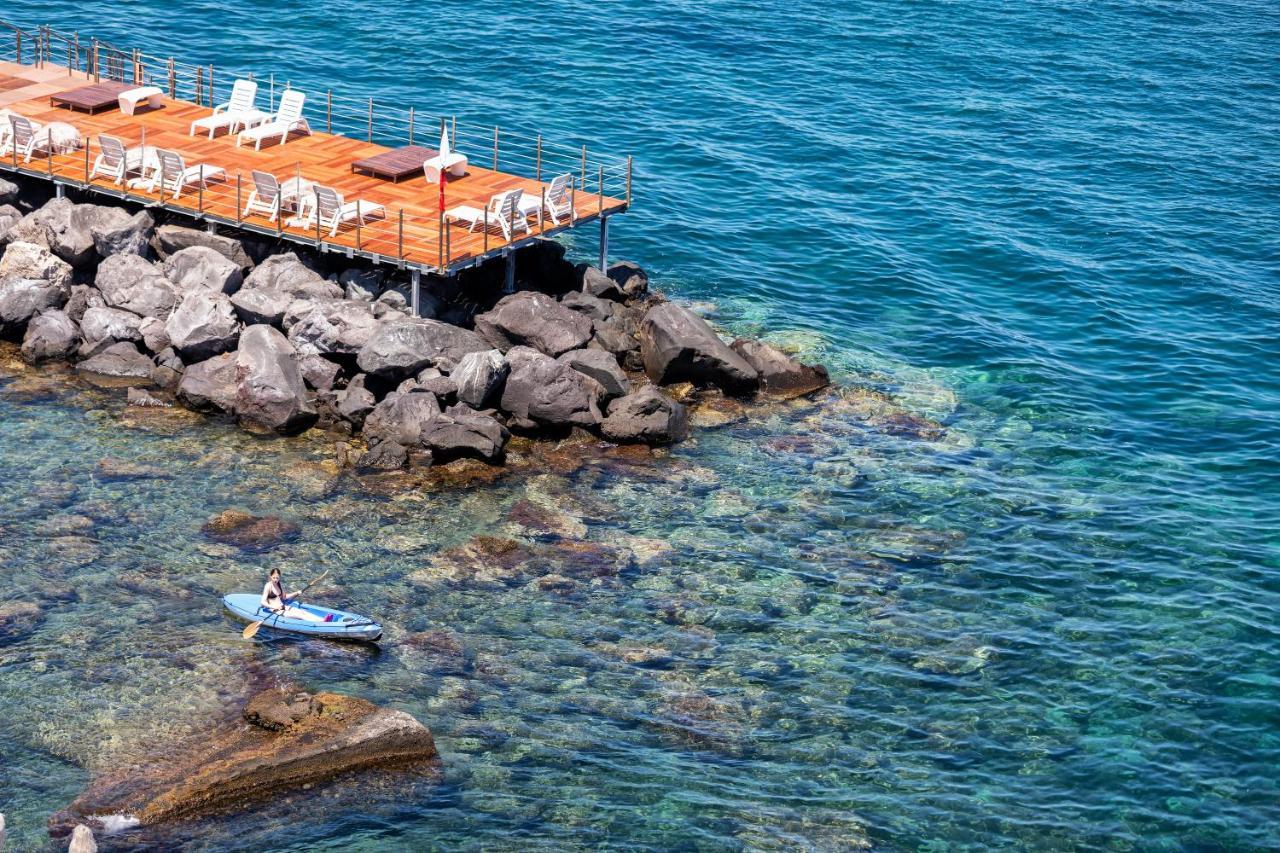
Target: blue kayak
326, 622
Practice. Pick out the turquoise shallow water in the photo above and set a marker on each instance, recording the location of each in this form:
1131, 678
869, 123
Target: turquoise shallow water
1049, 227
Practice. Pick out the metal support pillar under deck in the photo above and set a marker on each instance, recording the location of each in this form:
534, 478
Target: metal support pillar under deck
415, 279
604, 244
59, 190
509, 285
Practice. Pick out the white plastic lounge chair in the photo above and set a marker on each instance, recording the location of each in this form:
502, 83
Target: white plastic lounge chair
171, 174
25, 136
286, 120
503, 211
557, 200
265, 198
116, 162
333, 211
239, 112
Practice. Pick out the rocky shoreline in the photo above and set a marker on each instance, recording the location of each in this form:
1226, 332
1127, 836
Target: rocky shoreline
283, 342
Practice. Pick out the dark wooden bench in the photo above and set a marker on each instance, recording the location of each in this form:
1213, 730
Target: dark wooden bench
397, 164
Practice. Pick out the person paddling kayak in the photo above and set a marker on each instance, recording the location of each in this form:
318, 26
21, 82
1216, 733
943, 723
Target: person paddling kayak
275, 600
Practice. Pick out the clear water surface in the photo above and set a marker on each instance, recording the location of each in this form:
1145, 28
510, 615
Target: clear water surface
1050, 227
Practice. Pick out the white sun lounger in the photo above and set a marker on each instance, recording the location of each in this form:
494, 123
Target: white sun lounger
171, 174
558, 202
239, 112
286, 120
333, 211
503, 210
116, 162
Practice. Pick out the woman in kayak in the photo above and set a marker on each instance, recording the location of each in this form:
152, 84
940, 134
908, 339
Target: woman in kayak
274, 599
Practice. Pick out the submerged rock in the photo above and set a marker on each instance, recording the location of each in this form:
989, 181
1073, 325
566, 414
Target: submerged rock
119, 361
780, 374
678, 345
19, 619
294, 740
251, 532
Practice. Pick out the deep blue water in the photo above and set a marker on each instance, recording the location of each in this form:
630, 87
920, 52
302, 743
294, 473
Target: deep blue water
1052, 227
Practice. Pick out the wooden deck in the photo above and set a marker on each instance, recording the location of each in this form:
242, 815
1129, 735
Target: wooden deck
409, 235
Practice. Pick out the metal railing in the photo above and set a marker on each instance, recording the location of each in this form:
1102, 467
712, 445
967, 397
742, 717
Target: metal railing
598, 181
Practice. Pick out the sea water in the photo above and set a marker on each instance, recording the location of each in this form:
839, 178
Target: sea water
1016, 586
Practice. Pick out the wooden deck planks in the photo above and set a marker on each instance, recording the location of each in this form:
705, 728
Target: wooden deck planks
320, 157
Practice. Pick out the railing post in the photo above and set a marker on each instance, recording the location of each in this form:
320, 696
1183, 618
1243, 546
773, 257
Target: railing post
400, 237
628, 180
582, 172
495, 148
17, 44
199, 83
359, 220
239, 203
137, 70
97, 62
486, 229
212, 96
410, 125
604, 243
271, 100
538, 159
542, 222
328, 111
600, 189
173, 80
369, 137
199, 193
87, 143
440, 235
573, 201
415, 282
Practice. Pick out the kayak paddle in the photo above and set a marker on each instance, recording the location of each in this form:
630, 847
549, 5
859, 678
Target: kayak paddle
252, 627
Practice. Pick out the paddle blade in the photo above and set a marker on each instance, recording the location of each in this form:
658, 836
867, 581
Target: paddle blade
251, 629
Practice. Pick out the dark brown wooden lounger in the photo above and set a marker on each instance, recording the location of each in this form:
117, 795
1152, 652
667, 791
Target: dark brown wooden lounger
397, 164
91, 99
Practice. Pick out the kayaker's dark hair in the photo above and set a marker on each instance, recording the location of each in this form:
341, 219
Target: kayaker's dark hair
273, 572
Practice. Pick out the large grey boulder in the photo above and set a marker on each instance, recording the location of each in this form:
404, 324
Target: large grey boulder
118, 361
287, 274
541, 391
533, 319
780, 374
355, 402
402, 347
210, 386
203, 268
135, 284
109, 325
647, 416
597, 284
589, 306
633, 280
319, 372
340, 326
155, 334
170, 239
679, 346
23, 298
113, 230
29, 260
203, 325
83, 297
399, 418
8, 191
54, 227
269, 386
9, 217
51, 335
478, 378
462, 432
600, 366
261, 306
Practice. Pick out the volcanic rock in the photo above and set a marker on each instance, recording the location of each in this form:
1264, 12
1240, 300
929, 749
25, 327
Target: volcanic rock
24, 298
118, 361
203, 268
203, 325
401, 418
109, 325
261, 305
135, 284
647, 416
50, 336
402, 347
171, 239
533, 319
286, 274
456, 435
597, 284
600, 366
541, 391
18, 619
479, 377
29, 260
54, 227
678, 345
251, 532
780, 374
269, 387
631, 278
210, 386
113, 230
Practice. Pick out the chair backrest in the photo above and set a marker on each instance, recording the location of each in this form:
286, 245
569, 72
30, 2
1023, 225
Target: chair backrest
328, 203
243, 95
266, 185
291, 105
23, 132
503, 206
558, 192
170, 163
112, 150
